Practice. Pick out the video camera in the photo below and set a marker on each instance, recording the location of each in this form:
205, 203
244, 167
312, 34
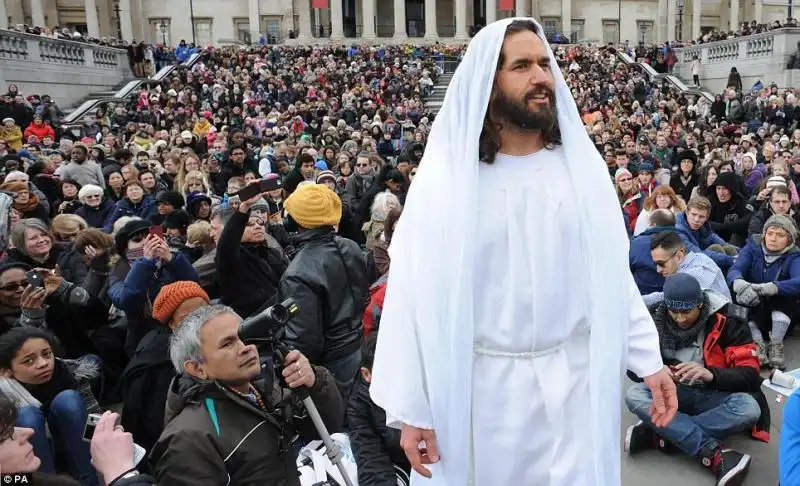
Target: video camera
268, 326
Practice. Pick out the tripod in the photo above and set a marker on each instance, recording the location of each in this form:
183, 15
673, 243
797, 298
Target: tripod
331, 449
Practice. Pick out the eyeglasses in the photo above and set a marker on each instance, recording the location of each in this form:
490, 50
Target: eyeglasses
663, 263
9, 287
255, 222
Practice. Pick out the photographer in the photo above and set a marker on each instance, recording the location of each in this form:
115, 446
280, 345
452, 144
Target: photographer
328, 279
249, 261
226, 422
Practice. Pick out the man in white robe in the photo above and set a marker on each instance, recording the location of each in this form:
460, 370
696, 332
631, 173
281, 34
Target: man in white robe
510, 313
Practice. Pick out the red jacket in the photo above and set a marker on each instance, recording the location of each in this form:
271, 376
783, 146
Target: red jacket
41, 131
730, 354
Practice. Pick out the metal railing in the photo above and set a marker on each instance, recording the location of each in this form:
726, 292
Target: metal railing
77, 115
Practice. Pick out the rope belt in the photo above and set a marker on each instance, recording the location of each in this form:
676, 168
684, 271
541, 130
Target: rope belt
483, 351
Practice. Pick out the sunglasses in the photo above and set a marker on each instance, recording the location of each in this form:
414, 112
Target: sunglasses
362, 165
255, 222
14, 286
94, 196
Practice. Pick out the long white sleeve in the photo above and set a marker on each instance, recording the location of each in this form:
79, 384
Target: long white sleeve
644, 352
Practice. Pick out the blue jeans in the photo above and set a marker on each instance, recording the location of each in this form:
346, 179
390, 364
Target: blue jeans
704, 417
67, 419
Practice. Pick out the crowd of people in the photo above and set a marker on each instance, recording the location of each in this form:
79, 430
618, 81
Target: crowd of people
268, 173
747, 28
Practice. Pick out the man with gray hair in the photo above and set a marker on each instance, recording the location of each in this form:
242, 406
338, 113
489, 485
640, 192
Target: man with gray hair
226, 421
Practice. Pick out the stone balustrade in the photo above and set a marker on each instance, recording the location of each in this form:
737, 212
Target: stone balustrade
756, 57
66, 70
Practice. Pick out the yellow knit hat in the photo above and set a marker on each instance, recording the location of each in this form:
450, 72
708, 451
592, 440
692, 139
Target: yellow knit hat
314, 206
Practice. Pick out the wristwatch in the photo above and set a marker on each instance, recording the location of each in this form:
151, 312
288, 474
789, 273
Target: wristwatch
129, 474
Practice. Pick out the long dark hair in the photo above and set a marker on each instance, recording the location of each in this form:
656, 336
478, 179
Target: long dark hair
489, 141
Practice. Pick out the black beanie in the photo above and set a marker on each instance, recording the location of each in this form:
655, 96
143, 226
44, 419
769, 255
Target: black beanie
127, 232
178, 219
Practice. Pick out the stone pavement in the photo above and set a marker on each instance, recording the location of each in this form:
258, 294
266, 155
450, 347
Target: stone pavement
653, 468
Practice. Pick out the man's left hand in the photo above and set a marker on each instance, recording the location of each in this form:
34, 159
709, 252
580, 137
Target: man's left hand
691, 372
665, 397
297, 371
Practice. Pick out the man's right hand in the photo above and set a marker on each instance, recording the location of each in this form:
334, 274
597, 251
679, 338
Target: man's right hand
411, 439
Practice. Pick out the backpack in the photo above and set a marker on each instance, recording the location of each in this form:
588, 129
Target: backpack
374, 309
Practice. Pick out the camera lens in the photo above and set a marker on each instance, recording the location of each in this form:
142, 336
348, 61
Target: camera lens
279, 314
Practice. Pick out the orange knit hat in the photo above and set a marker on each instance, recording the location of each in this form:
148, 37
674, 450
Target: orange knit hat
171, 296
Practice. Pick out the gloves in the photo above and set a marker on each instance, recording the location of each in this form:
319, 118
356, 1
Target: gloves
766, 289
740, 284
745, 293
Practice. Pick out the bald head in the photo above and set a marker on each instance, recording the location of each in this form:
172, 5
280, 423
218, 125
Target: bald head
662, 217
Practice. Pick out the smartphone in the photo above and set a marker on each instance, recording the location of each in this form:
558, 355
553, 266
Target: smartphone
91, 424
156, 230
254, 189
35, 279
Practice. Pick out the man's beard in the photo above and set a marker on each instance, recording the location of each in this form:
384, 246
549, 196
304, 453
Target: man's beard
524, 118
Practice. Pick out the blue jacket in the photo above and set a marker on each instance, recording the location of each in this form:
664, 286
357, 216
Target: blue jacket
698, 241
145, 209
642, 266
145, 279
789, 449
752, 266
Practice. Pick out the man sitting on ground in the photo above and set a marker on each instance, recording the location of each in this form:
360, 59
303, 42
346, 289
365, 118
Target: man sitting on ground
671, 256
707, 346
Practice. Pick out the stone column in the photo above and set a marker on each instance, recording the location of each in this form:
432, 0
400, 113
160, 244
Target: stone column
51, 13
400, 20
15, 12
535, 10
519, 9
672, 11
735, 15
661, 22
3, 15
92, 22
757, 11
303, 33
37, 13
697, 6
566, 18
431, 28
491, 11
368, 20
255, 20
125, 22
337, 23
107, 25
461, 20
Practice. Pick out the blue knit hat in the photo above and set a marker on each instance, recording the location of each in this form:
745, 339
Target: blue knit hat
682, 292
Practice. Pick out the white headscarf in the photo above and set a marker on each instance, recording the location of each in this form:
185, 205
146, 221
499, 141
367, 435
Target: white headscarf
423, 365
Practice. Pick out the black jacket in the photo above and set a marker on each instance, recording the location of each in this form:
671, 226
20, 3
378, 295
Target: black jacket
328, 280
144, 385
248, 274
214, 436
97, 217
376, 447
730, 219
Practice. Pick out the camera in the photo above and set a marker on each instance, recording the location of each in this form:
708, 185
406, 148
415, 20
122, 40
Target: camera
267, 327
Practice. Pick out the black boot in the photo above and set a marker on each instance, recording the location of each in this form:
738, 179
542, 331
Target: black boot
729, 466
641, 436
